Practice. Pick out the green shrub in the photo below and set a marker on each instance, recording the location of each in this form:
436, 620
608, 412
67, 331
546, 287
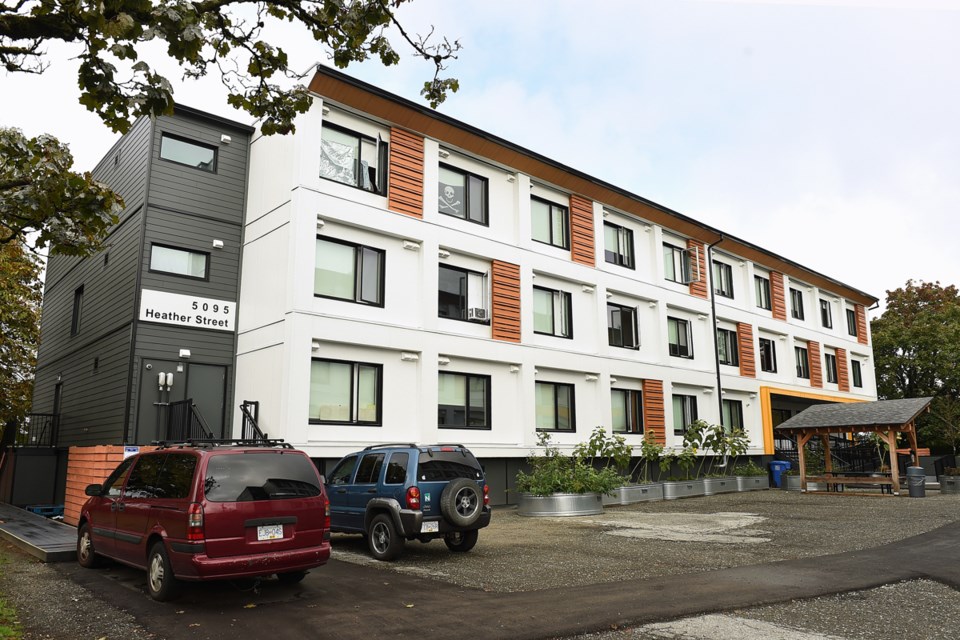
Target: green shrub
749, 469
554, 472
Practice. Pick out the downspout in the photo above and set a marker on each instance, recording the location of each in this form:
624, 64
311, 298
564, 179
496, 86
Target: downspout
713, 314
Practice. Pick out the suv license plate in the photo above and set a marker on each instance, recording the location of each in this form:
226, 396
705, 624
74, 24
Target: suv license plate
431, 526
270, 532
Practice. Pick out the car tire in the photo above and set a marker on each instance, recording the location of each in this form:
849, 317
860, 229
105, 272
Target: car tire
161, 584
461, 541
86, 554
291, 577
385, 544
461, 502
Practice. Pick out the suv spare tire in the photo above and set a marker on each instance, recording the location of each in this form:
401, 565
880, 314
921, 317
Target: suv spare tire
461, 502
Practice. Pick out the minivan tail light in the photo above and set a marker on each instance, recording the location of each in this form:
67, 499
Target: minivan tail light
486, 495
195, 521
413, 498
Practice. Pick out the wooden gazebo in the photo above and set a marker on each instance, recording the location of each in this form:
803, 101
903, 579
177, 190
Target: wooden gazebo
887, 418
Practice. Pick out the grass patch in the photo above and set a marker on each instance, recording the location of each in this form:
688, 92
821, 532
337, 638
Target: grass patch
9, 626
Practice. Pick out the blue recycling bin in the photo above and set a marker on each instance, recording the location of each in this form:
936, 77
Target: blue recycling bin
777, 469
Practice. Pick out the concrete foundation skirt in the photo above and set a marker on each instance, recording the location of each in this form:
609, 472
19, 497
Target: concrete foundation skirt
560, 504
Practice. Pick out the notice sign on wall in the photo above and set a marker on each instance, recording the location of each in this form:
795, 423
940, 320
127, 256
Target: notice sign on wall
187, 311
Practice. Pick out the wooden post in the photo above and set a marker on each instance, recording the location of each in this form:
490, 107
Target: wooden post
912, 438
827, 462
891, 438
802, 439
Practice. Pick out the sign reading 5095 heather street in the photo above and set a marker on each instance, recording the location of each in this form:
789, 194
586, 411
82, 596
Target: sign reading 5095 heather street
186, 311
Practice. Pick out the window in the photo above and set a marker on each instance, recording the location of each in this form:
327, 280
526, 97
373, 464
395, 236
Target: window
768, 355
679, 339
622, 326
342, 473
189, 153
684, 412
550, 223
345, 392
114, 483
462, 294
350, 272
462, 195
397, 468
369, 470
353, 158
676, 264
179, 262
142, 482
803, 364
176, 476
732, 417
857, 373
826, 314
762, 287
727, 347
77, 311
627, 406
831, 367
796, 303
618, 245
555, 410
852, 322
722, 279
552, 313
464, 401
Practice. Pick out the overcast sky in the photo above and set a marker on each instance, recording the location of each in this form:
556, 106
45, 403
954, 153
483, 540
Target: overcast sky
827, 131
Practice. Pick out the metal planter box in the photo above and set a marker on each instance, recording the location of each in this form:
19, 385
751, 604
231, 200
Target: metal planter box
560, 504
673, 489
793, 484
632, 493
949, 484
752, 483
713, 486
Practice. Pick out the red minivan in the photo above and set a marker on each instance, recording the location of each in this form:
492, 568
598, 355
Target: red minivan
209, 511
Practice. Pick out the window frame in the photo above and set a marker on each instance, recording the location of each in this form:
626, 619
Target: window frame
467, 190
856, 374
761, 287
383, 154
206, 262
674, 349
565, 210
358, 272
632, 411
830, 367
677, 254
796, 304
620, 309
216, 152
803, 366
738, 404
852, 323
485, 305
354, 382
566, 300
688, 404
488, 410
772, 356
556, 406
624, 237
722, 285
826, 314
76, 318
727, 345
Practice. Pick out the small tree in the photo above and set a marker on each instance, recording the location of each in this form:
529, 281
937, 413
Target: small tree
650, 454
554, 472
943, 427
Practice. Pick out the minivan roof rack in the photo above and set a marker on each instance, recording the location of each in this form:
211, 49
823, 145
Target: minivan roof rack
214, 442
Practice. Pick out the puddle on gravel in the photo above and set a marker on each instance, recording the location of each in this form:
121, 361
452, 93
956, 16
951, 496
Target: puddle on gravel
719, 528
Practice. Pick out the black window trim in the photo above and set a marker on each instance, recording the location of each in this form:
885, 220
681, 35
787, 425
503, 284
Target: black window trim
694, 411
773, 354
620, 261
728, 337
353, 390
727, 270
826, 314
205, 254
803, 369
76, 317
636, 415
636, 325
381, 293
567, 297
688, 330
830, 368
852, 329
566, 210
184, 139
732, 402
796, 310
466, 199
488, 409
556, 407
486, 302
856, 374
383, 153
763, 283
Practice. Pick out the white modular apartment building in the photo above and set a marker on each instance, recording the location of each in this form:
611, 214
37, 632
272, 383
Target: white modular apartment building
409, 278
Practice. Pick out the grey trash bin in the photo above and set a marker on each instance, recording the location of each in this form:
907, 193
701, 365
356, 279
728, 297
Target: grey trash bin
916, 479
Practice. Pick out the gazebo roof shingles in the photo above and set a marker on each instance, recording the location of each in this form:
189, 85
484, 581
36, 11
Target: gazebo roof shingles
887, 413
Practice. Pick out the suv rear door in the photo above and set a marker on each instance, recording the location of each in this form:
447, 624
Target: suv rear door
437, 467
257, 501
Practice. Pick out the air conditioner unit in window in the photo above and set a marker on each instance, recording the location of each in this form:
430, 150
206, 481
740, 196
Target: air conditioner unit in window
476, 313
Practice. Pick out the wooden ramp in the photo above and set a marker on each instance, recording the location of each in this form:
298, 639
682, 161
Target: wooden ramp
46, 539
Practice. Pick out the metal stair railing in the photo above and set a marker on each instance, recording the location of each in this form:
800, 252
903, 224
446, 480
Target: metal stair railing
184, 422
251, 414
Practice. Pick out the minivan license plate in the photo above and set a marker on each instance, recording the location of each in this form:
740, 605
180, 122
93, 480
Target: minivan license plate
270, 532
430, 526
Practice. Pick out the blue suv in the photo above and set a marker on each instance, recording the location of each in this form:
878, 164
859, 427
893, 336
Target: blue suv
396, 492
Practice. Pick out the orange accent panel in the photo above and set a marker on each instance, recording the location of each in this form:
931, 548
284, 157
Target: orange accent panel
766, 409
699, 288
654, 420
581, 231
88, 465
843, 377
816, 368
505, 312
778, 302
406, 173
861, 323
748, 362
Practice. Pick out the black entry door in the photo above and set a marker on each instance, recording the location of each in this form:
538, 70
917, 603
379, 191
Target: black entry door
206, 384
154, 395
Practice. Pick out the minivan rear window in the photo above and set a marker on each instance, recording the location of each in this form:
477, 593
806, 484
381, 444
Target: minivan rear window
246, 477
448, 465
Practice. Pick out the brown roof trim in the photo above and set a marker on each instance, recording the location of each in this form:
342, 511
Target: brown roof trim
366, 98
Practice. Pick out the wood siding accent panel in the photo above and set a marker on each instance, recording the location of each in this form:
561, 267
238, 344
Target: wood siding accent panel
88, 465
816, 367
748, 362
582, 248
505, 312
843, 376
778, 296
861, 312
405, 194
699, 288
654, 418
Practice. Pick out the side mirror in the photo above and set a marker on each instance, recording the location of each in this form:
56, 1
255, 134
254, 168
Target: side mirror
93, 489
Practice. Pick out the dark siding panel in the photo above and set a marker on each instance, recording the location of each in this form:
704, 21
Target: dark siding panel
165, 341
